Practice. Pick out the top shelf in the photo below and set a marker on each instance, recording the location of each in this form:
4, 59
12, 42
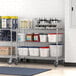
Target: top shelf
29, 29
9, 29
40, 29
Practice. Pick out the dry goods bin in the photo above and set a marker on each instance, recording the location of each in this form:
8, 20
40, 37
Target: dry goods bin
44, 51
43, 37
23, 51
56, 50
34, 51
54, 37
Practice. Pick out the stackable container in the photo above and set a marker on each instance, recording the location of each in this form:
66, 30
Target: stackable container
13, 22
56, 50
23, 51
34, 51
36, 37
25, 23
29, 37
0, 22
21, 37
5, 21
54, 37
43, 37
44, 51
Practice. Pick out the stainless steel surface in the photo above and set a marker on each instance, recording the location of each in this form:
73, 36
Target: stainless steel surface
57, 30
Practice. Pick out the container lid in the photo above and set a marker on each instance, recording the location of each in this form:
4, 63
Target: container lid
56, 44
43, 34
23, 47
33, 46
44, 47
5, 17
36, 33
21, 34
14, 17
29, 34
54, 33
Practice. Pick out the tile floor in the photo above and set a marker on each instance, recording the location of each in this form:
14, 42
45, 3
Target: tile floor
56, 71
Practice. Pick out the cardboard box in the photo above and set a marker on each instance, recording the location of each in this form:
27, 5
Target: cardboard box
4, 50
7, 50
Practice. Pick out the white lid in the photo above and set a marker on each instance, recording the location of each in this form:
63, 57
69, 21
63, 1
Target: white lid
21, 34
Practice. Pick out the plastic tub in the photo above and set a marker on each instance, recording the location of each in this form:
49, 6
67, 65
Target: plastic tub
56, 51
21, 37
5, 21
34, 51
52, 37
43, 38
24, 23
29, 37
23, 51
36, 37
44, 51
13, 22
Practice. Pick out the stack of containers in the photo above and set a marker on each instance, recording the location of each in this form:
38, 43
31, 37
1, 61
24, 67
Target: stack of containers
23, 51
5, 21
52, 37
44, 51
9, 22
56, 50
34, 51
0, 22
13, 22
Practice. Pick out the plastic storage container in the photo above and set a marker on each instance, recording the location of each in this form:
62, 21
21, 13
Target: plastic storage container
52, 37
5, 21
44, 51
29, 37
21, 37
36, 37
0, 22
13, 22
23, 51
34, 51
25, 24
43, 37
56, 51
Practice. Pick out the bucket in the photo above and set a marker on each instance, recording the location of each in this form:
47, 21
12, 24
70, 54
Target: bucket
56, 50
34, 51
52, 37
44, 51
43, 37
23, 51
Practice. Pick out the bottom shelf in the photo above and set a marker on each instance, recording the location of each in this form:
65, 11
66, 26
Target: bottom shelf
2, 56
41, 58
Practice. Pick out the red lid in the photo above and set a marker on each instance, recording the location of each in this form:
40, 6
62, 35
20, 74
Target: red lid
54, 33
44, 47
